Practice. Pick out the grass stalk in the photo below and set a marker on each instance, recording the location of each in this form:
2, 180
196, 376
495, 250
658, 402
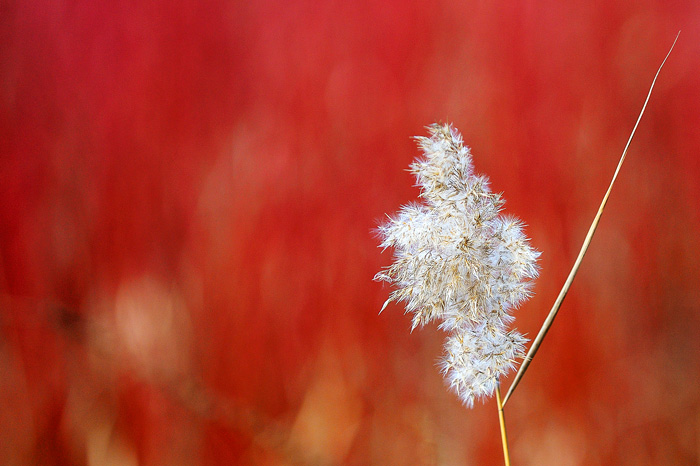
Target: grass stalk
502, 422
562, 294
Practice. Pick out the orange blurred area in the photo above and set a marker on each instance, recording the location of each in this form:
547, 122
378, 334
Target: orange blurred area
188, 192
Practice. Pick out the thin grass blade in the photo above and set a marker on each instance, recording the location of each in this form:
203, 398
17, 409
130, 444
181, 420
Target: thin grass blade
565, 289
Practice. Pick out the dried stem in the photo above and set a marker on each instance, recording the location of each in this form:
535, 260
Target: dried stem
502, 421
557, 304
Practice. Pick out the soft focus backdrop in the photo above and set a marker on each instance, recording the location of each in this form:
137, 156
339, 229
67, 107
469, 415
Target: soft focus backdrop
187, 197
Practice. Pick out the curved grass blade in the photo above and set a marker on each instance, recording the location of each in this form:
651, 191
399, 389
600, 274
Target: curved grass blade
562, 294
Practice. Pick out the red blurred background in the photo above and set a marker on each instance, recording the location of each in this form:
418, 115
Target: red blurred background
187, 196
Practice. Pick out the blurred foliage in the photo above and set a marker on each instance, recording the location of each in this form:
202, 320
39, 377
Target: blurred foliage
187, 197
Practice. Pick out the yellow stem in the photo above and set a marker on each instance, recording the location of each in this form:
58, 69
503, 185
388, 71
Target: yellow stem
502, 421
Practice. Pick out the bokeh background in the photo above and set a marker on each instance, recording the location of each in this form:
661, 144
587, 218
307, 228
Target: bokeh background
187, 197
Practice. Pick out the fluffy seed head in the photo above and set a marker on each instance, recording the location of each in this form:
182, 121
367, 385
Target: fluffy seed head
459, 261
